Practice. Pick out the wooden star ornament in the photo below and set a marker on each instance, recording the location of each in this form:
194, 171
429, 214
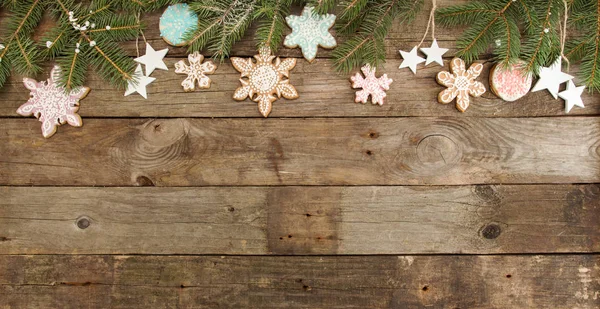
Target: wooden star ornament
264, 79
51, 104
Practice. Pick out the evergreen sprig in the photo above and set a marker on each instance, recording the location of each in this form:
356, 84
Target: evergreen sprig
86, 35
585, 18
365, 24
222, 23
498, 24
19, 52
271, 15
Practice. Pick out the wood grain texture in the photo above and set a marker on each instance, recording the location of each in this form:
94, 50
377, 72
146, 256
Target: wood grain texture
344, 151
300, 220
323, 93
564, 281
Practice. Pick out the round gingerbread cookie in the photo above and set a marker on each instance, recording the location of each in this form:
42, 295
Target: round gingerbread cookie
511, 82
175, 22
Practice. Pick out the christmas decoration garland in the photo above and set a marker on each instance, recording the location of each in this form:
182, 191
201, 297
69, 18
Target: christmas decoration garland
87, 34
527, 38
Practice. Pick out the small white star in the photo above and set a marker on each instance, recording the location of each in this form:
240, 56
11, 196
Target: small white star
153, 59
411, 60
142, 82
551, 78
434, 53
572, 96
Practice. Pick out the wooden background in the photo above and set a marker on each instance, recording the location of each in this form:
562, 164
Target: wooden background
193, 200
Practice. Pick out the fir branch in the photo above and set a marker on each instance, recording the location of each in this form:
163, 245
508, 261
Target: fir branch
270, 29
322, 6
222, 23
543, 48
352, 9
491, 23
19, 51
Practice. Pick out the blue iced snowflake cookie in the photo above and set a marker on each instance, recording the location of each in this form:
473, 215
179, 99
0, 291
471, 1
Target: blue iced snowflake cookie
310, 30
175, 22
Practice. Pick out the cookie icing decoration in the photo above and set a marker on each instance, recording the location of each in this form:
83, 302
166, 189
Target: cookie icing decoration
371, 86
51, 104
175, 22
510, 82
309, 31
264, 79
461, 83
196, 72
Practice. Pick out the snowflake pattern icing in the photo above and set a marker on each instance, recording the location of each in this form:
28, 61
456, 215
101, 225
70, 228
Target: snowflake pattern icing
196, 71
175, 22
310, 30
264, 78
371, 85
461, 83
51, 104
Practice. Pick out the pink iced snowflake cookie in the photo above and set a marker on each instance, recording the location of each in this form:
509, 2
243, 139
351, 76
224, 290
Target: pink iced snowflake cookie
511, 82
371, 85
51, 104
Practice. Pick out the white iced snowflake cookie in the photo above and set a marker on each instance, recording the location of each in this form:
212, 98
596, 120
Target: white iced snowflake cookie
264, 79
196, 72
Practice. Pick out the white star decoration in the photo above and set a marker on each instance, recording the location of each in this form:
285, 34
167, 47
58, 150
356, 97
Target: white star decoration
551, 78
153, 59
572, 96
434, 53
411, 59
142, 82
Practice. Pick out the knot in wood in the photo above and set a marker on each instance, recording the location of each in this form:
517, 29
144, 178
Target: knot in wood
491, 231
163, 132
83, 222
436, 151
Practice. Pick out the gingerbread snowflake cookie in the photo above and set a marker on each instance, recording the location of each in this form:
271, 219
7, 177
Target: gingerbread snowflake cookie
309, 31
196, 72
461, 83
371, 85
264, 79
510, 82
51, 104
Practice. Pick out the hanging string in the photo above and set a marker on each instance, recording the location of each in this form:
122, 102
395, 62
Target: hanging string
430, 23
137, 38
563, 34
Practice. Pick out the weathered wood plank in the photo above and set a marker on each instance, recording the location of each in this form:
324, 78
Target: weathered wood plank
300, 220
323, 93
563, 281
343, 151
